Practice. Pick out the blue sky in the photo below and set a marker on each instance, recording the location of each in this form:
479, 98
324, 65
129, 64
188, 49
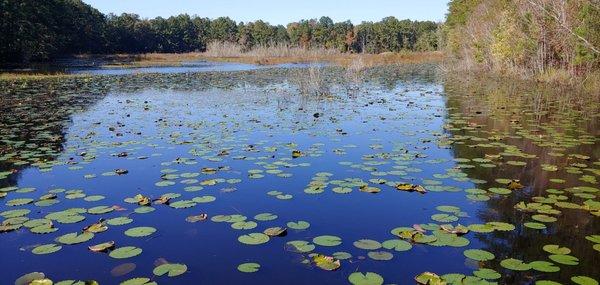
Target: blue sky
281, 11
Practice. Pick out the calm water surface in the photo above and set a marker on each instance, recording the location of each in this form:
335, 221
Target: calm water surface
234, 145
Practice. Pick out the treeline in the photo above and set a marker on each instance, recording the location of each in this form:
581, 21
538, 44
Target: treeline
40, 30
535, 37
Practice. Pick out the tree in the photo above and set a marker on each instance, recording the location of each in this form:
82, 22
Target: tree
223, 29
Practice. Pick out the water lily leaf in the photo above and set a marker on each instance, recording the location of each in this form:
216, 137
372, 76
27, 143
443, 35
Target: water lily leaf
275, 231
28, 278
515, 264
96, 228
342, 255
367, 244
19, 202
300, 246
327, 240
593, 238
327, 263
183, 204
479, 254
253, 238
501, 226
369, 189
265, 217
43, 229
535, 226
144, 209
249, 267
546, 282
119, 221
380, 255
556, 249
299, 225
102, 247
204, 199
171, 269
444, 218
46, 249
487, 273
368, 278
100, 210
584, 280
125, 252
421, 238
544, 266
140, 231
198, 218
564, 259
397, 245
138, 281
429, 278
75, 238
244, 225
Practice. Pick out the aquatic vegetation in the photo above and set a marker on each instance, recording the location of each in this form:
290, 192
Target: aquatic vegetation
237, 173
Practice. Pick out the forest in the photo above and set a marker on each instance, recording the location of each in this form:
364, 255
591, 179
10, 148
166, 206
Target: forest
42, 30
543, 38
529, 37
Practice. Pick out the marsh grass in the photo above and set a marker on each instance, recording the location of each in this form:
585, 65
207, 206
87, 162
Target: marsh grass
311, 81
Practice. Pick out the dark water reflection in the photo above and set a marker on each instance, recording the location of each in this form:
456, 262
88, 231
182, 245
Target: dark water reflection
398, 124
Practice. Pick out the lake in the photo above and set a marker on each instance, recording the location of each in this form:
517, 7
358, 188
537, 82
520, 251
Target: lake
296, 175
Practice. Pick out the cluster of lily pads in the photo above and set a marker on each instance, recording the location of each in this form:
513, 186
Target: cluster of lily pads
210, 146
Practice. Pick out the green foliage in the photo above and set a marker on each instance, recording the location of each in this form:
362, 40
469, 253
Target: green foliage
43, 30
526, 37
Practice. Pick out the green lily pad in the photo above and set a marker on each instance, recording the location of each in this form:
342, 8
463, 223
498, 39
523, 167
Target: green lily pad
244, 225
125, 252
183, 204
544, 266
138, 281
479, 254
367, 244
327, 240
300, 246
140, 231
368, 278
119, 221
515, 264
253, 238
584, 280
249, 267
564, 259
487, 273
556, 249
75, 238
171, 269
397, 245
265, 217
46, 249
380, 255
299, 225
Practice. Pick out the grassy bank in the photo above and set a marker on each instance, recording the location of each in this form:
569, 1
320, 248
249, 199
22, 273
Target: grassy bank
268, 56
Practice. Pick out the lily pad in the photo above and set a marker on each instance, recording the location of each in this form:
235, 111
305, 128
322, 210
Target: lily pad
253, 238
249, 267
299, 225
171, 269
46, 249
140, 231
125, 252
327, 240
479, 254
368, 278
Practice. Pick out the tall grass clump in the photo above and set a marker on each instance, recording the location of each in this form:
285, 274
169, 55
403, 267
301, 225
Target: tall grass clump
265, 54
311, 81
